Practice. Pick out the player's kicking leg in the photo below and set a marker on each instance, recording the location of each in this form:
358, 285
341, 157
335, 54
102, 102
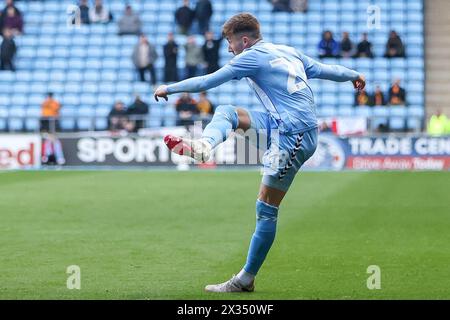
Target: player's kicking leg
225, 119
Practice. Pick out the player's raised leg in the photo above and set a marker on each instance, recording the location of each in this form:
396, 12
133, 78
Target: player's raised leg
226, 119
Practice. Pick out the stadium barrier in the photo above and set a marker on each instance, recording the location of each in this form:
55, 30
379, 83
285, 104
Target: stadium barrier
72, 123
147, 149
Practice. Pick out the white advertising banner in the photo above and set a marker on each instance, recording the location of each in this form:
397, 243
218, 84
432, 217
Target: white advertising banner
20, 151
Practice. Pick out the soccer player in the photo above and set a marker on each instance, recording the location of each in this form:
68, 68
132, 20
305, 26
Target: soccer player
279, 76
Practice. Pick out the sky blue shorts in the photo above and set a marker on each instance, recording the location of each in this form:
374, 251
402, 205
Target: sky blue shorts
285, 153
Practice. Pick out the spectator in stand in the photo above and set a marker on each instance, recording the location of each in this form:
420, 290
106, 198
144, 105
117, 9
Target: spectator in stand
99, 13
378, 97
186, 108
170, 57
439, 124
194, 57
130, 23
4, 12
299, 5
347, 47
328, 47
50, 114
281, 5
205, 108
204, 105
12, 19
144, 57
211, 50
8, 50
364, 48
397, 95
362, 98
136, 112
203, 14
394, 46
184, 16
117, 117
84, 12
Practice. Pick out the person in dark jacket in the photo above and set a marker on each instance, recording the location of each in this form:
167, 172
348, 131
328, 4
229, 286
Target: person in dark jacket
144, 57
394, 46
8, 50
397, 95
378, 97
328, 47
130, 23
9, 4
211, 49
184, 16
84, 12
362, 98
170, 57
138, 110
364, 48
346, 46
281, 6
117, 117
186, 108
203, 13
12, 19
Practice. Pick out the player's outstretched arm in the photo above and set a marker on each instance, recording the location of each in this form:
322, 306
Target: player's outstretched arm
317, 70
196, 84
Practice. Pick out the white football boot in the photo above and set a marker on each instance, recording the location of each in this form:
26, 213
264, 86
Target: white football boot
232, 285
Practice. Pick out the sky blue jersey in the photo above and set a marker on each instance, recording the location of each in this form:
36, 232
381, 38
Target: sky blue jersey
279, 76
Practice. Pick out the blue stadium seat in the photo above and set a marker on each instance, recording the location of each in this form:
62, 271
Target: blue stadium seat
363, 111
72, 87
3, 117
88, 99
105, 99
71, 99
156, 116
397, 117
415, 117
327, 111
91, 76
16, 118
380, 116
35, 99
19, 99
56, 87
170, 116
101, 117
346, 111
33, 114
67, 117
21, 87
85, 120
107, 87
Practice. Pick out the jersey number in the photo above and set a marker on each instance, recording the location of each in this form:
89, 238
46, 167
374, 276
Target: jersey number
294, 70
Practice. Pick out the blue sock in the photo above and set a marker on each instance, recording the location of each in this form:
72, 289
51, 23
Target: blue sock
224, 120
266, 225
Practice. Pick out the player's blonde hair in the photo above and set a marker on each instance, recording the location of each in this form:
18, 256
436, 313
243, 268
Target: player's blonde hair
242, 23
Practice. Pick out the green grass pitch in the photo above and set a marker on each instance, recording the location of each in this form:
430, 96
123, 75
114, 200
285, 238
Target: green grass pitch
164, 235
